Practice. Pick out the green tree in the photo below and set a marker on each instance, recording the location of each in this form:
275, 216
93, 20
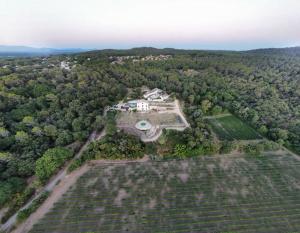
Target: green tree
51, 160
99, 123
63, 138
205, 105
50, 131
263, 130
28, 120
5, 156
216, 110
180, 150
21, 136
4, 132
37, 131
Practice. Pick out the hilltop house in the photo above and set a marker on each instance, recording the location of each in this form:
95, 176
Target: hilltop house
142, 106
139, 105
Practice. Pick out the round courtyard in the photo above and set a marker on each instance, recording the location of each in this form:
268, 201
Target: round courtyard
143, 125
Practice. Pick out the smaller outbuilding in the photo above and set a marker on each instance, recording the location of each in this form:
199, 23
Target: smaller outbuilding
156, 95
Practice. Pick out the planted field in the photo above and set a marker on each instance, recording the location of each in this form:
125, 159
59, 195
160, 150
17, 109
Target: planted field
206, 194
232, 128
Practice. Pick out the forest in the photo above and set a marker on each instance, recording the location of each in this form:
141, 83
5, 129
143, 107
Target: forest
45, 108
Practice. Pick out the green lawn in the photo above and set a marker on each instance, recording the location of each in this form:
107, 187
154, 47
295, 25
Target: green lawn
203, 194
232, 128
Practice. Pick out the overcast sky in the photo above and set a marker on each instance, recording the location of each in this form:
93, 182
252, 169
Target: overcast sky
198, 24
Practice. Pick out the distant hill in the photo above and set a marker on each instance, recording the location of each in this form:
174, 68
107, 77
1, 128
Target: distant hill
137, 51
142, 51
19, 51
23, 51
287, 51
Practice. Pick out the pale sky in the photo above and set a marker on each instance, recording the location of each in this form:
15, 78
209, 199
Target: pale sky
195, 24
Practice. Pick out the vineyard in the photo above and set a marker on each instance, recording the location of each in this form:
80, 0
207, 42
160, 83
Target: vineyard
204, 194
232, 128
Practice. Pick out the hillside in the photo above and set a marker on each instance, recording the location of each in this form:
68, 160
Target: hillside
292, 51
50, 105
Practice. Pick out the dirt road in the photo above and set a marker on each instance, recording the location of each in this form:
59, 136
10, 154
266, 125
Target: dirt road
53, 182
57, 192
63, 187
180, 113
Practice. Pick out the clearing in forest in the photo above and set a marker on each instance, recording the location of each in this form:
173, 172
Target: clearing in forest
203, 194
164, 120
231, 128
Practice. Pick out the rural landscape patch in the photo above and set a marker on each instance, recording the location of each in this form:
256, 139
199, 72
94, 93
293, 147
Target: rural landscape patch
204, 194
232, 128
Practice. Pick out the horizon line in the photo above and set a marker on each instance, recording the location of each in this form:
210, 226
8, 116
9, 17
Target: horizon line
148, 46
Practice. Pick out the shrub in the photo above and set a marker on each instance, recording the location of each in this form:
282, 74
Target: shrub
10, 187
18, 202
51, 160
75, 164
25, 213
227, 147
254, 150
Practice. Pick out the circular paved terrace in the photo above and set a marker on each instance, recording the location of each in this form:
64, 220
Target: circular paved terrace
143, 125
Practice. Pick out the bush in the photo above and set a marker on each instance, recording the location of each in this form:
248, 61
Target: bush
51, 161
111, 128
25, 213
117, 146
181, 151
9, 187
270, 145
227, 147
254, 150
150, 148
18, 202
75, 164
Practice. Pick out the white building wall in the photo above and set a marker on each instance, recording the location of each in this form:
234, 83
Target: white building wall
142, 106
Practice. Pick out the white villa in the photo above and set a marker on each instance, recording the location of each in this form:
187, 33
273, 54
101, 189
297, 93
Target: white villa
142, 105
156, 95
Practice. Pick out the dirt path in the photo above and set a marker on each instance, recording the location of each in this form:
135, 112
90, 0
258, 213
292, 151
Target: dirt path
105, 161
56, 178
63, 187
2, 211
157, 134
292, 153
56, 194
180, 113
217, 116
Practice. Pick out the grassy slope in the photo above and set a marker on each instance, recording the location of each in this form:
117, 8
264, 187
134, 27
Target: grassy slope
204, 194
230, 128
